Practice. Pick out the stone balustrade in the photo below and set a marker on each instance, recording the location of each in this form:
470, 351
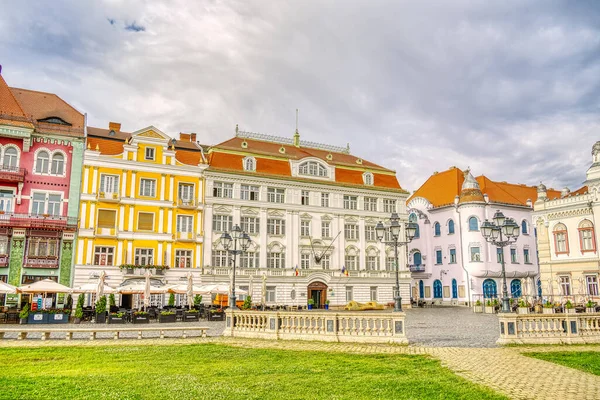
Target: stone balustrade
549, 328
327, 326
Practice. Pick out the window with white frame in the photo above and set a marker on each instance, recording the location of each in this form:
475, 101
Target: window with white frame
586, 236
275, 259
513, 256
249, 164
305, 228
222, 223
349, 292
276, 226
373, 291
249, 192
145, 221
305, 261
149, 153
185, 223
475, 253
390, 263
389, 206
109, 183
270, 294
42, 247
46, 203
325, 261
38, 203
275, 195
370, 204
351, 262
249, 259
185, 191
452, 256
58, 164
7, 198
4, 245
372, 263
350, 202
325, 229
592, 285
223, 190
526, 256
312, 168
565, 285
351, 231
305, 198
368, 178
11, 158
183, 258
250, 225
144, 256
148, 187
54, 201
370, 235
220, 258
324, 199
42, 162
560, 238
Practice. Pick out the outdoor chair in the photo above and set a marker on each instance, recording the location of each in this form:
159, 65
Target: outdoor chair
12, 317
179, 315
3, 317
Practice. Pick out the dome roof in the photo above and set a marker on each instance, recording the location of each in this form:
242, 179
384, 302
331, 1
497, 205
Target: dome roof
470, 191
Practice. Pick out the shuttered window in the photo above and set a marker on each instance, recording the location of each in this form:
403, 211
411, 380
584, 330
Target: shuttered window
109, 183
145, 221
107, 218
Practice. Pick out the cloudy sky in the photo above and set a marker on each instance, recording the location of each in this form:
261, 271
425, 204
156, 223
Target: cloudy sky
509, 88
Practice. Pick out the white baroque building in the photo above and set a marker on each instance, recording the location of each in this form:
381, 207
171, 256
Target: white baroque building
301, 202
450, 261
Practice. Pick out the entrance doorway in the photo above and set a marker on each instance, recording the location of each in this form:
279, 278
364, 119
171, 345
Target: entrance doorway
126, 300
318, 292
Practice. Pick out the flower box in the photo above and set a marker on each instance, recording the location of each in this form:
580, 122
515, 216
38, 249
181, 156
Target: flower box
547, 310
570, 310
159, 271
58, 318
101, 318
115, 320
192, 316
523, 310
490, 309
215, 316
37, 318
140, 319
478, 309
590, 310
166, 318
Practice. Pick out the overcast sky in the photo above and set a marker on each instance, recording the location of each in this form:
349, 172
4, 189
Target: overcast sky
509, 88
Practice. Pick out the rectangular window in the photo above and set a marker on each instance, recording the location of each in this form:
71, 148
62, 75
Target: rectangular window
325, 229
145, 221
270, 294
222, 223
372, 263
370, 234
389, 206
148, 187
390, 263
438, 257
149, 153
513, 256
185, 192
54, 204
219, 258
370, 204
109, 183
587, 241
305, 228
499, 254
561, 242
350, 202
249, 259
526, 258
275, 195
250, 225
373, 291
324, 199
592, 285
249, 192
351, 263
452, 256
107, 219
275, 260
38, 203
42, 247
144, 257
3, 245
305, 261
565, 285
104, 255
351, 231
349, 296
305, 198
276, 226
325, 261
183, 259
185, 223
223, 190
475, 254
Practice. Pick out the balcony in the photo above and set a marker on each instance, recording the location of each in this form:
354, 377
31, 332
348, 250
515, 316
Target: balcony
417, 267
106, 232
185, 236
187, 203
12, 174
38, 221
41, 262
3, 261
109, 197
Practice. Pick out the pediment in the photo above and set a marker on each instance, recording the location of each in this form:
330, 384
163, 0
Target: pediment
350, 218
249, 211
150, 133
305, 216
276, 213
326, 218
371, 221
222, 209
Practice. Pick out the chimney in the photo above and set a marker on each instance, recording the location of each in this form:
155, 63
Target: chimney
114, 126
193, 137
0, 69
184, 137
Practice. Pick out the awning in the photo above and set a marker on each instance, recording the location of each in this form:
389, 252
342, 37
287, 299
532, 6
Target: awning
44, 286
5, 288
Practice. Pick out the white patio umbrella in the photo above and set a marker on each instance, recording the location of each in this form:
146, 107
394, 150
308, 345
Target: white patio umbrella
5, 288
190, 290
251, 286
147, 290
44, 286
92, 288
100, 285
219, 288
264, 291
183, 289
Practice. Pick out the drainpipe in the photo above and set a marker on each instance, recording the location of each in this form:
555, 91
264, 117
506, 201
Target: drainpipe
462, 262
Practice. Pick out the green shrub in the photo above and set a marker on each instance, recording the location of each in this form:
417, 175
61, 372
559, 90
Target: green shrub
568, 305
79, 309
101, 305
111, 300
197, 299
69, 302
311, 302
172, 300
247, 303
24, 312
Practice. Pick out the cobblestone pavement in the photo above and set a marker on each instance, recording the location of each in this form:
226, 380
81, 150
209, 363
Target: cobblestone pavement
451, 327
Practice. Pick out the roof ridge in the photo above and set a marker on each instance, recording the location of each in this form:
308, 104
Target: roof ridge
13, 96
52, 94
497, 184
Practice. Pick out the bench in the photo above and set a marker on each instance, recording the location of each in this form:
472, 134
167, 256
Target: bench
116, 331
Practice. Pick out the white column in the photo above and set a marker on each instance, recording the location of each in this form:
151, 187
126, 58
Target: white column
293, 239
161, 216
162, 187
169, 254
130, 222
159, 256
95, 180
198, 260
129, 252
92, 215
83, 213
263, 237
119, 259
86, 177
90, 252
171, 189
80, 247
124, 183
170, 220
362, 243
121, 218
132, 185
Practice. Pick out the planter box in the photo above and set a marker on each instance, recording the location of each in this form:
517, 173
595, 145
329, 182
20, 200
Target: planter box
129, 271
159, 272
546, 310
60, 318
523, 310
478, 309
215, 316
590, 310
116, 320
490, 310
166, 318
101, 318
193, 317
570, 310
37, 318
141, 319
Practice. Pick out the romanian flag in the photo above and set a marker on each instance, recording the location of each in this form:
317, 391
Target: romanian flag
297, 272
344, 270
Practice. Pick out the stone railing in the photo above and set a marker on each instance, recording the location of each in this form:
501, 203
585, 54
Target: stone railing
549, 328
327, 326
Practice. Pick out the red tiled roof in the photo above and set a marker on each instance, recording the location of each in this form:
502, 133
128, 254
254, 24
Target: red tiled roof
11, 112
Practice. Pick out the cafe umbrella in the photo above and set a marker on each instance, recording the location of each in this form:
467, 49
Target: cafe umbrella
5, 288
190, 290
44, 286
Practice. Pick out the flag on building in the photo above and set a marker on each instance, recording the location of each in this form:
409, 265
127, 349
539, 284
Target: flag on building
344, 270
297, 272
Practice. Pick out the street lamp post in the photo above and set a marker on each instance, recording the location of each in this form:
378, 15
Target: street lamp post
500, 233
395, 229
237, 235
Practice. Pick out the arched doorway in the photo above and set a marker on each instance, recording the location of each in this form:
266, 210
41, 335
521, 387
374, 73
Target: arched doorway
437, 289
421, 289
515, 288
489, 289
318, 292
454, 289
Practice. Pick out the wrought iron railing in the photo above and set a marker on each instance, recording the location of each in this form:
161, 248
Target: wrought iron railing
38, 221
417, 268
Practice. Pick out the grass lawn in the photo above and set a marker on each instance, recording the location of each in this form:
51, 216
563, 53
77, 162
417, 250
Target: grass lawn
214, 371
588, 361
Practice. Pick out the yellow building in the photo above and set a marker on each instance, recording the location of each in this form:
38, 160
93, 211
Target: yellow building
141, 206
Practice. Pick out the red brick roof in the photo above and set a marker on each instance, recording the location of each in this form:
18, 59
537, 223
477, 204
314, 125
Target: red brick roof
11, 112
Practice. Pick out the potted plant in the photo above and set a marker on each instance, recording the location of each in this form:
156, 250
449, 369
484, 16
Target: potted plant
140, 317
569, 307
166, 316
57, 316
489, 307
478, 307
197, 300
191, 315
548, 308
24, 314
523, 307
172, 300
79, 309
37, 317
69, 303
112, 303
216, 315
327, 304
590, 306
101, 310
116, 318
310, 303
247, 303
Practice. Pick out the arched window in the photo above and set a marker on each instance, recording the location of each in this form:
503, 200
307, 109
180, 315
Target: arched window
473, 224
454, 289
421, 289
10, 157
539, 287
41, 162
249, 164
587, 239
417, 259
368, 178
312, 168
413, 218
515, 288
437, 229
524, 229
437, 289
489, 289
451, 227
58, 164
561, 239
